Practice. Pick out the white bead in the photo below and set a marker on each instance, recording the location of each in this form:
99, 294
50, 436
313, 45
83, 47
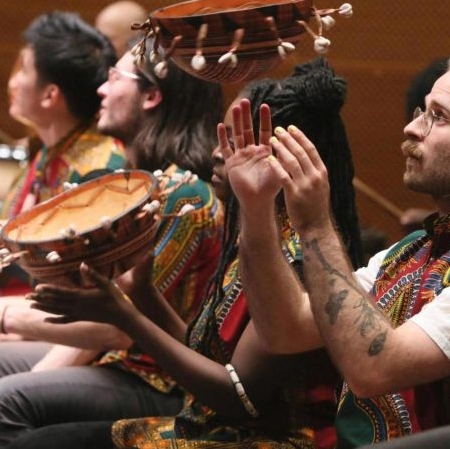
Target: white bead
152, 207
161, 69
327, 22
229, 58
106, 222
198, 62
288, 46
53, 257
155, 57
281, 52
321, 45
346, 10
186, 209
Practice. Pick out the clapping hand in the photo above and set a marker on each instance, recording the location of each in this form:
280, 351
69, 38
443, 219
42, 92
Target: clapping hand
248, 170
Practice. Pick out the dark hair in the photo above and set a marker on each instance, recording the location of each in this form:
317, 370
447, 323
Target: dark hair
73, 55
311, 99
422, 84
182, 128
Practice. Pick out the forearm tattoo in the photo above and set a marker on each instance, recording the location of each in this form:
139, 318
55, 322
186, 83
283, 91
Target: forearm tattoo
369, 320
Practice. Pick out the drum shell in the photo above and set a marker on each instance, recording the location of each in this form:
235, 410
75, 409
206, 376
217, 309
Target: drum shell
257, 52
111, 249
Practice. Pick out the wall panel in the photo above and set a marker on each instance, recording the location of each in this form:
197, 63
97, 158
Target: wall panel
377, 51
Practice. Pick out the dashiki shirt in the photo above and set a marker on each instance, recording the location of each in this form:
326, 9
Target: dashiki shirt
411, 275
77, 156
187, 250
301, 416
70, 160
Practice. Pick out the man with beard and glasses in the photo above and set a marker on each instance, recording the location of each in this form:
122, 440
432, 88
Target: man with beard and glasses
386, 326
164, 128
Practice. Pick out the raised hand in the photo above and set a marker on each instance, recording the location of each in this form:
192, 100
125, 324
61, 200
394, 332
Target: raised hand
248, 170
303, 175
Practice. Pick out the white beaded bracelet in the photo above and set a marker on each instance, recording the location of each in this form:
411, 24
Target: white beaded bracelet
241, 392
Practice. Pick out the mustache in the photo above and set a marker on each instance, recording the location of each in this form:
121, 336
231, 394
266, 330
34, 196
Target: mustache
411, 148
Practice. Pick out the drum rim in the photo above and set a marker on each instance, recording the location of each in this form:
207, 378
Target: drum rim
38, 208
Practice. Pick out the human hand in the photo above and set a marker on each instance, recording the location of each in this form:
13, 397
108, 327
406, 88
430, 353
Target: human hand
104, 303
137, 283
303, 176
250, 176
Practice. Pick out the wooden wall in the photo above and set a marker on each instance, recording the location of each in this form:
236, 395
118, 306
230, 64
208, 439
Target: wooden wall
378, 51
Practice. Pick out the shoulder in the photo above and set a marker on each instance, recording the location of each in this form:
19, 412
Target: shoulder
195, 191
94, 151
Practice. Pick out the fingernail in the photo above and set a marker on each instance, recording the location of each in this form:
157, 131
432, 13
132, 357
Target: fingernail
279, 130
271, 157
273, 139
292, 128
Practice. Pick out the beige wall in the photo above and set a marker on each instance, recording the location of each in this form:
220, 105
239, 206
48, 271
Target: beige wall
378, 51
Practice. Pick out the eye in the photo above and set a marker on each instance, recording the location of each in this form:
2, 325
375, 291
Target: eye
439, 117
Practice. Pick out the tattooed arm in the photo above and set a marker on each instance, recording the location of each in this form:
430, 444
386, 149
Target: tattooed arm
373, 357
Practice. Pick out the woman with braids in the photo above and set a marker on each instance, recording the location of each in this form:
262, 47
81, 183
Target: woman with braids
239, 394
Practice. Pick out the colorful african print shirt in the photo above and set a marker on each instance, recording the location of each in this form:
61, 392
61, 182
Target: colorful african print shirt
187, 250
83, 151
301, 416
412, 274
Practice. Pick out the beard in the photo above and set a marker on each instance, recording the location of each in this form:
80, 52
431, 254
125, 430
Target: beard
410, 148
428, 176
124, 129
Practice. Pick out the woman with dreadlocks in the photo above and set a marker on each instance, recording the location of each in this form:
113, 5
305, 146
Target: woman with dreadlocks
240, 396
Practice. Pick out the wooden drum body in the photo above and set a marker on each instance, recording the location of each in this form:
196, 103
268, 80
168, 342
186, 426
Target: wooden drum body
213, 28
105, 222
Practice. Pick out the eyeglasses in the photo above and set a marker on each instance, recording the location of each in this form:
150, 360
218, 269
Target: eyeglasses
428, 118
114, 73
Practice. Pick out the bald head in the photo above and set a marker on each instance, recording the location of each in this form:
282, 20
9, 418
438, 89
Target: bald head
115, 20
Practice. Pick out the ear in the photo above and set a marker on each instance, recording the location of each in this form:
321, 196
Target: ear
51, 94
153, 98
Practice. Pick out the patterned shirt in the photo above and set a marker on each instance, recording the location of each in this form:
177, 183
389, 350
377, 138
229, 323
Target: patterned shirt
300, 416
413, 273
78, 154
186, 251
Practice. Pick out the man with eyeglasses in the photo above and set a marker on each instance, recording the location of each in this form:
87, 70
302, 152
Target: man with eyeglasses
387, 325
164, 127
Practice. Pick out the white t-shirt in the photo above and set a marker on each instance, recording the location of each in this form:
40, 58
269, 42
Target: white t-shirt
433, 319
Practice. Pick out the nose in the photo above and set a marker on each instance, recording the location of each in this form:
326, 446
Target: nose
413, 129
102, 89
217, 155
12, 83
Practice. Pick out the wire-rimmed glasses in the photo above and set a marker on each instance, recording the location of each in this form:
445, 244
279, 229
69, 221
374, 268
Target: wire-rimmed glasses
428, 118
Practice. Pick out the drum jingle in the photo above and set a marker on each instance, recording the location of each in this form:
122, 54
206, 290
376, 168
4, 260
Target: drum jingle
232, 40
107, 222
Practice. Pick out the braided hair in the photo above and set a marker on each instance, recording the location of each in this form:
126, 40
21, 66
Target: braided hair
311, 98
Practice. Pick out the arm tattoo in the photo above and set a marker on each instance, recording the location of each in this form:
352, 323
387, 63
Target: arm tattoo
377, 344
370, 319
334, 305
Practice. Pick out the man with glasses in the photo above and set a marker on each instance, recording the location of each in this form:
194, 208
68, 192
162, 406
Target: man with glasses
164, 127
386, 326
